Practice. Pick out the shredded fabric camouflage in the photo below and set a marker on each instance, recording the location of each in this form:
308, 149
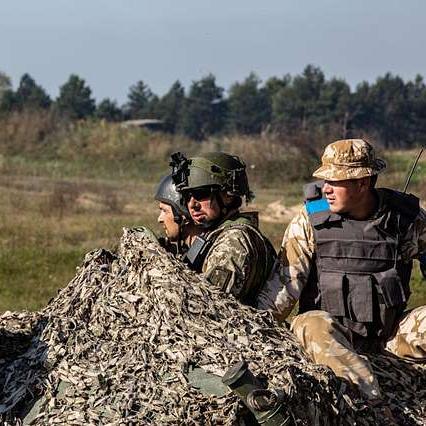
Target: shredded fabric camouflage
116, 345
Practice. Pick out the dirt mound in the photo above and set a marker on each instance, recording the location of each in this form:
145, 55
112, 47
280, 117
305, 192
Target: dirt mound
276, 212
136, 338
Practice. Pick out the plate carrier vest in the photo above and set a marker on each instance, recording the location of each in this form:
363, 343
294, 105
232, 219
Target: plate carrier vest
358, 276
247, 221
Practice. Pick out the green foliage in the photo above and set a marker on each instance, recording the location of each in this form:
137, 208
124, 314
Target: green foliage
334, 104
7, 102
274, 84
297, 105
204, 112
7, 97
416, 110
139, 99
249, 106
74, 100
399, 164
169, 108
5, 83
390, 112
388, 100
109, 111
30, 95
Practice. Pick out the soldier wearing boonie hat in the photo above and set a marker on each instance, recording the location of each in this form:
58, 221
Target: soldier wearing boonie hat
349, 159
347, 258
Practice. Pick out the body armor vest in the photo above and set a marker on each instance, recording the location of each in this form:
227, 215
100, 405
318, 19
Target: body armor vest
247, 222
358, 276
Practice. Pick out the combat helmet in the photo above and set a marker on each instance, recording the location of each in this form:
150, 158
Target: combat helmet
217, 170
168, 194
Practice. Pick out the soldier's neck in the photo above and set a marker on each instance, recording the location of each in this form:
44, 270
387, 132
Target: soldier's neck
191, 231
366, 207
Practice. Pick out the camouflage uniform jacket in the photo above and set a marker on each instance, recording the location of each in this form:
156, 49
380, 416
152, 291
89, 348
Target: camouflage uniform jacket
240, 258
298, 252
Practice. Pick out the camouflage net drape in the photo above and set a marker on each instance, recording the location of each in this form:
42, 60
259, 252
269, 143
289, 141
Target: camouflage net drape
114, 345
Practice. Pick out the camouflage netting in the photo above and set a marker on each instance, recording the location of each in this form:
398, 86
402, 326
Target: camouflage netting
117, 344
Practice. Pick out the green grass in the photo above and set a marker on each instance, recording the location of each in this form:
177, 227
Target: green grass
399, 164
418, 288
54, 211
30, 276
98, 168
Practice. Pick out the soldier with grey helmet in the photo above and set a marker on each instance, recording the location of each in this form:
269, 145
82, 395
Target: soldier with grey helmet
230, 250
174, 217
347, 258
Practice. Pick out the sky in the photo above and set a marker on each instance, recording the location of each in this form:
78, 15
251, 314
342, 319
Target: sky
112, 44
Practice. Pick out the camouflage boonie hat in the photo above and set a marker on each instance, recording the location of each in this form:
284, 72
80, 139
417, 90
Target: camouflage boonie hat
349, 159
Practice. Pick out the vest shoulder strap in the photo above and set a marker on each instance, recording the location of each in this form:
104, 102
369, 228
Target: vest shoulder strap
245, 225
406, 204
313, 190
316, 205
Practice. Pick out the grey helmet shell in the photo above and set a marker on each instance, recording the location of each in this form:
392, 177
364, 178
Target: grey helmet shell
167, 193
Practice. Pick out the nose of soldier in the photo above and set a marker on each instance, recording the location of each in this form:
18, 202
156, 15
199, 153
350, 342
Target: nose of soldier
327, 188
193, 204
160, 218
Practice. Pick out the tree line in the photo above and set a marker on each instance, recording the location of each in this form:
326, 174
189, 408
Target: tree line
391, 110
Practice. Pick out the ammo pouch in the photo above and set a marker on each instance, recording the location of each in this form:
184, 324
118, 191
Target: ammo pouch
377, 298
347, 295
391, 300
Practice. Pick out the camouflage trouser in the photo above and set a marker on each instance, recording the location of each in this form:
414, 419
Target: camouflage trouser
328, 342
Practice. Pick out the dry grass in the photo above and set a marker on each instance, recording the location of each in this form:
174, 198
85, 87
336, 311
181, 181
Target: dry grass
67, 190
46, 227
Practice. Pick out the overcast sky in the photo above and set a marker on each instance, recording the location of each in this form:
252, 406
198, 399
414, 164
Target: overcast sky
114, 43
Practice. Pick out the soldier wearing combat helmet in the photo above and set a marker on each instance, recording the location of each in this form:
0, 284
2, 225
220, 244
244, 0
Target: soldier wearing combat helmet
174, 217
347, 258
230, 250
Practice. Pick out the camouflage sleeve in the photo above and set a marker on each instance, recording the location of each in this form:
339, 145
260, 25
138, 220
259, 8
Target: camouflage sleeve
295, 256
413, 244
229, 263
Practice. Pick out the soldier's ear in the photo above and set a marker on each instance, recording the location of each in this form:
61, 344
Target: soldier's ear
364, 184
226, 198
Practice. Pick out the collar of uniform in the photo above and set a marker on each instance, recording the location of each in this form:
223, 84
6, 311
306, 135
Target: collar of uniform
247, 218
382, 205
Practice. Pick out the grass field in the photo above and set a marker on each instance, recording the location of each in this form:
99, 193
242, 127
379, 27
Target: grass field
54, 211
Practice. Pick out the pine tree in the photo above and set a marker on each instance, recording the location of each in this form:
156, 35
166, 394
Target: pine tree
74, 100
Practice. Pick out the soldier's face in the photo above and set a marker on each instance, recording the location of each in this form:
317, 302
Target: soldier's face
203, 207
166, 218
343, 196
